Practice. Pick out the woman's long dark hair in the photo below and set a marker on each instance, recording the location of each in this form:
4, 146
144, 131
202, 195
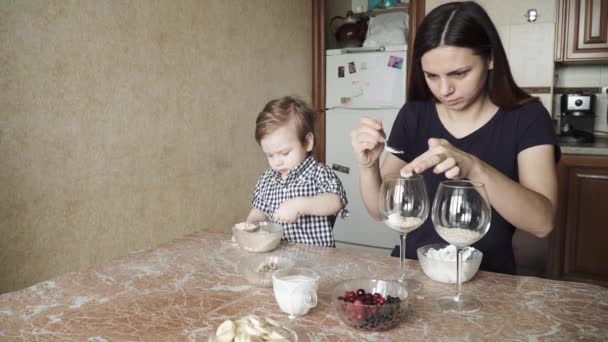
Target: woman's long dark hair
467, 25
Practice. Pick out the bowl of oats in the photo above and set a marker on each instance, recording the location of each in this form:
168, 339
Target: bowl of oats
258, 270
258, 237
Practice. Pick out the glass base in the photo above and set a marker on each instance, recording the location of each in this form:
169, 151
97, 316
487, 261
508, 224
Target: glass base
410, 284
459, 304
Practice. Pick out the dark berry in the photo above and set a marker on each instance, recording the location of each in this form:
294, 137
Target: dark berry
360, 292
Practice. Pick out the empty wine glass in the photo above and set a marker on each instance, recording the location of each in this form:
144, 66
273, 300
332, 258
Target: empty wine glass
461, 214
404, 206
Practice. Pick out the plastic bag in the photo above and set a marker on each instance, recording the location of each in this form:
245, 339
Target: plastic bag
387, 29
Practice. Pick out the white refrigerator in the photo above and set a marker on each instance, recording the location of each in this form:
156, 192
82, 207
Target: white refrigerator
361, 82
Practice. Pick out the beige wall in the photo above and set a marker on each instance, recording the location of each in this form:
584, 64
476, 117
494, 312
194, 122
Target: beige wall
124, 124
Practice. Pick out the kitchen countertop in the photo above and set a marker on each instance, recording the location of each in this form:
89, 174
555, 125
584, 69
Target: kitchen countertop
598, 148
182, 290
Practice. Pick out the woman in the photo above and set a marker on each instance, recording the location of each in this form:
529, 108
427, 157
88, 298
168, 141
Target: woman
465, 118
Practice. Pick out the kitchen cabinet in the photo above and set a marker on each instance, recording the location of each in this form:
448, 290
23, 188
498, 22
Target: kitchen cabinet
581, 31
578, 250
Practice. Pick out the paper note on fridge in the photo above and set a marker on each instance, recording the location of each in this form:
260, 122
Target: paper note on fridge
382, 86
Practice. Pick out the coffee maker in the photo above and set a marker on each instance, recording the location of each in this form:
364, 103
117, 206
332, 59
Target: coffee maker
577, 118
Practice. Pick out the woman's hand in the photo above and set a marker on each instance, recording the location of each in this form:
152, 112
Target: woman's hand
367, 140
443, 158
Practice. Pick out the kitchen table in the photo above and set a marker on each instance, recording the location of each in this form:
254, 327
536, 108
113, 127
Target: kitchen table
182, 290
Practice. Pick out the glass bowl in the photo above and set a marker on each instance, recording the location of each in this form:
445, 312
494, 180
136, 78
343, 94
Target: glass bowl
371, 317
258, 269
445, 271
265, 238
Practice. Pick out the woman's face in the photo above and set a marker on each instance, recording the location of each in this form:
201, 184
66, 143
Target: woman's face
455, 75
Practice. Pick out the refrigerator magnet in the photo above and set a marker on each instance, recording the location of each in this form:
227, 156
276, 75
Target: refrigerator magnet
395, 62
352, 68
345, 100
340, 71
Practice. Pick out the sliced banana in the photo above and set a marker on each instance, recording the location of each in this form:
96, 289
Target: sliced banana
226, 328
224, 338
251, 328
273, 322
255, 320
278, 333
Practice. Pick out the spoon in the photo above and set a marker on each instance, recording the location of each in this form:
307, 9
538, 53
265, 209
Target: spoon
392, 149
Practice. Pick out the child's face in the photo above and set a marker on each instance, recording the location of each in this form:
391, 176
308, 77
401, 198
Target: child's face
284, 150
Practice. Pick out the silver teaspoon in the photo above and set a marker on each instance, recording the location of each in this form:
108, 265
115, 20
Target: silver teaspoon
392, 149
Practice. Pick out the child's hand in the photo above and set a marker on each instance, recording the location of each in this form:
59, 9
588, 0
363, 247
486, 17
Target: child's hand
288, 211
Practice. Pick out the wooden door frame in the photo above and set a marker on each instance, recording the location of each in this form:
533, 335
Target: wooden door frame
416, 7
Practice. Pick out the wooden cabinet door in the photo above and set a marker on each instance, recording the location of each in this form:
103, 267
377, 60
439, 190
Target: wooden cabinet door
579, 242
582, 31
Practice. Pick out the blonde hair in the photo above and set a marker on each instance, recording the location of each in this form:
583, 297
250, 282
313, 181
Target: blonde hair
281, 111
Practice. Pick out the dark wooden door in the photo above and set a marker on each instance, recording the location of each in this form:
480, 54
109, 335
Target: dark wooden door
578, 244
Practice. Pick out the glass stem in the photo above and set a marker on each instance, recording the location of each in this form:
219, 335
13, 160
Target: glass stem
459, 273
402, 255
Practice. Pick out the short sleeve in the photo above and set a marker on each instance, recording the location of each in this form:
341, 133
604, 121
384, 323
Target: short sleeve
328, 182
536, 128
259, 201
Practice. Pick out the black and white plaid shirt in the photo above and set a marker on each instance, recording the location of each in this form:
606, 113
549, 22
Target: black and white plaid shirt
310, 178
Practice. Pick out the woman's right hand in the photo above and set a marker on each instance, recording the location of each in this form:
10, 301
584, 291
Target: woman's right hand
367, 140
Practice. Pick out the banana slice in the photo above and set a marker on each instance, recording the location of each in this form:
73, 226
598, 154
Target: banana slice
278, 334
226, 327
255, 320
224, 338
273, 322
251, 328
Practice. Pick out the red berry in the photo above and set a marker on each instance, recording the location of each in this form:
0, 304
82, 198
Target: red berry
360, 292
380, 301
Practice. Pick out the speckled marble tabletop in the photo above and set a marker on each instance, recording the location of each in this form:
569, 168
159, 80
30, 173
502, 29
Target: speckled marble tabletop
181, 291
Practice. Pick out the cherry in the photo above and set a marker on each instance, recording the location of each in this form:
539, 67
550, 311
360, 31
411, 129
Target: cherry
360, 292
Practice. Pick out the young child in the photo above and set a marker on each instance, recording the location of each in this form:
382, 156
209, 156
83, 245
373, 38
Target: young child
298, 191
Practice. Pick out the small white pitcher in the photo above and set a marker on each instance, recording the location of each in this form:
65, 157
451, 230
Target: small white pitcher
295, 290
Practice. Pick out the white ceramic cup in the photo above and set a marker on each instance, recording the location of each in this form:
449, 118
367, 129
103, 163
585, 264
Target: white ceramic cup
295, 290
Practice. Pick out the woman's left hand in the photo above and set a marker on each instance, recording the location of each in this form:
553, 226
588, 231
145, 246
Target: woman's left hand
443, 158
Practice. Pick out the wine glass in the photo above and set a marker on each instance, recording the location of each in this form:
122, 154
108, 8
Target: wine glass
461, 214
404, 206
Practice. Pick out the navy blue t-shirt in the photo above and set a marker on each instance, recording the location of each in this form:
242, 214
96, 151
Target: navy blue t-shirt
497, 143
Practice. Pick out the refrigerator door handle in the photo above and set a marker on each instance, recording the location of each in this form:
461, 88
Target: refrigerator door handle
363, 50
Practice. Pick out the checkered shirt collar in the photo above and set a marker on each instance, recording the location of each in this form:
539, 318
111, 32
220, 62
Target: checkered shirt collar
305, 168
